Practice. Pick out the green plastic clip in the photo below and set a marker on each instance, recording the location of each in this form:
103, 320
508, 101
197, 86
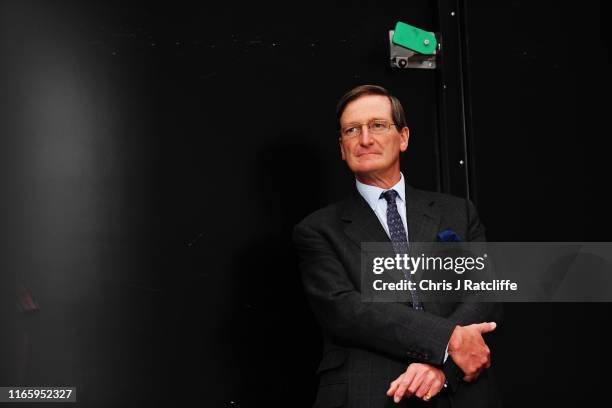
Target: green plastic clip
415, 39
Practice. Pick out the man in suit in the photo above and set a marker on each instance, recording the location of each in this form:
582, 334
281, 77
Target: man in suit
383, 354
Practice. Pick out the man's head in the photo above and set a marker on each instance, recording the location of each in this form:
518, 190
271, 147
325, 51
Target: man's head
373, 132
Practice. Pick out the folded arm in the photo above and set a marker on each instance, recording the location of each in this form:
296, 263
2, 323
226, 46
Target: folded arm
394, 329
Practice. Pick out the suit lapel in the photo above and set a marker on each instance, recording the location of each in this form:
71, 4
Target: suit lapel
423, 222
362, 225
423, 226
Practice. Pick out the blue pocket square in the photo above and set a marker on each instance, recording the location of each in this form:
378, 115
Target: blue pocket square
448, 235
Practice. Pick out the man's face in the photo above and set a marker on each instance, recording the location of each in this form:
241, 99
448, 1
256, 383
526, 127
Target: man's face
367, 153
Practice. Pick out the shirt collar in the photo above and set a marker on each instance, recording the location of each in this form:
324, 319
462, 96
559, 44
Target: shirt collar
372, 193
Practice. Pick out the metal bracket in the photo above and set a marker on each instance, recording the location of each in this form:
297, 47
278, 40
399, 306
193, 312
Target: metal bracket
411, 47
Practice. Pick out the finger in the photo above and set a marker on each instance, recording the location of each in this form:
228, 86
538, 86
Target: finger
486, 327
394, 384
416, 382
472, 377
408, 376
399, 393
425, 386
485, 362
434, 389
472, 367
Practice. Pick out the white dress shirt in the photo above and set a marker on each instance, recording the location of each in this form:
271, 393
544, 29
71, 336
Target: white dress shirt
372, 195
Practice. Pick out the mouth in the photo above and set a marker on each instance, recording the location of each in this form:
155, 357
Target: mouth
366, 154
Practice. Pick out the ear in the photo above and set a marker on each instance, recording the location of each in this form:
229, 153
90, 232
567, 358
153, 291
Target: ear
404, 136
341, 148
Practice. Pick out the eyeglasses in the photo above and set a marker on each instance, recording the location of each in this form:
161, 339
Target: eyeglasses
376, 126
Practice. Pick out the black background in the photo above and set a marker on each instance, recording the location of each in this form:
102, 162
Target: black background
155, 159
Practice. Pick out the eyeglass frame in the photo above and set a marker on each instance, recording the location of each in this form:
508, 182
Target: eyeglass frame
351, 125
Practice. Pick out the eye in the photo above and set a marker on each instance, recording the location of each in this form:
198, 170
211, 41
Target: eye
351, 130
379, 125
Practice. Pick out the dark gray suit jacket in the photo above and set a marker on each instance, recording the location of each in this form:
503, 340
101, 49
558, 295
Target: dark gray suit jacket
366, 344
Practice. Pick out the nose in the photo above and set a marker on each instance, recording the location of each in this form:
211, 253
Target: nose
364, 136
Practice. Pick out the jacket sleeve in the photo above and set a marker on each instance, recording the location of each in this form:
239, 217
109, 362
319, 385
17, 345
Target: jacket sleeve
476, 312
394, 329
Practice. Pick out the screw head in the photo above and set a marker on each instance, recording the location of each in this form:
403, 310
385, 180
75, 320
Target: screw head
426, 42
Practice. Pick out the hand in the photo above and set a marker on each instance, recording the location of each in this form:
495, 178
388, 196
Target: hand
418, 379
468, 349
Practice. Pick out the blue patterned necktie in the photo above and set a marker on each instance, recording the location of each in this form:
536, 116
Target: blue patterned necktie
399, 238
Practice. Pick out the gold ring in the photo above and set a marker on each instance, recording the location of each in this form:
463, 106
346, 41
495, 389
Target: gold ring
427, 396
